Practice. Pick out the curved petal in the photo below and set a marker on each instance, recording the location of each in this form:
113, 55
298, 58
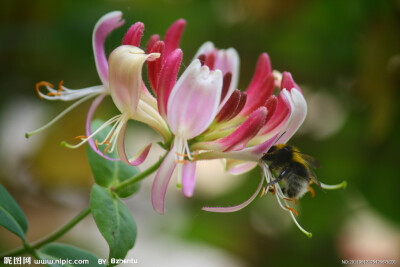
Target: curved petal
237, 207
102, 29
161, 181
288, 83
245, 132
206, 48
126, 76
194, 100
227, 61
189, 178
139, 157
93, 107
237, 167
297, 115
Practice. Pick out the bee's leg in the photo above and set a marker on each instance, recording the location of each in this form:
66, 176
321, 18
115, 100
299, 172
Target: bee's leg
311, 190
280, 177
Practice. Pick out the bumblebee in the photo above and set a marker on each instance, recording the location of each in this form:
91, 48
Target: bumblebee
294, 169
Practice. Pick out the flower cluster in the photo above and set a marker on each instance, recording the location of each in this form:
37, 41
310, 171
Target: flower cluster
200, 115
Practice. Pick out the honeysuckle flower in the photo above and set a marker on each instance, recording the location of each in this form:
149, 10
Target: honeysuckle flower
187, 111
121, 77
125, 83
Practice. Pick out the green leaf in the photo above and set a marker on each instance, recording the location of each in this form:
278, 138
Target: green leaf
11, 215
68, 253
109, 173
114, 221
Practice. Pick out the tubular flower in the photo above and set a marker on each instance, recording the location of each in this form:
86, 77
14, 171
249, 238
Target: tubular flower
125, 83
206, 117
192, 105
121, 78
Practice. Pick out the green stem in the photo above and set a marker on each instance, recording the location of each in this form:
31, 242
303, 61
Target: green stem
60, 232
140, 176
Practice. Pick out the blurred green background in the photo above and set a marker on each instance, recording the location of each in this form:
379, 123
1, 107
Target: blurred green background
344, 54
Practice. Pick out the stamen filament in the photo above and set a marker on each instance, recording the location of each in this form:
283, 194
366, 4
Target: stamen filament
334, 187
59, 116
110, 121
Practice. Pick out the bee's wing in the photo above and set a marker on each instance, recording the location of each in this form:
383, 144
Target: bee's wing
313, 177
311, 161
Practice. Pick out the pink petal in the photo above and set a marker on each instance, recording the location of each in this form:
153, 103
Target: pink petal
134, 35
161, 181
270, 104
279, 117
264, 91
189, 178
237, 207
223, 60
245, 132
167, 79
140, 156
228, 61
237, 167
205, 49
261, 149
263, 69
173, 37
103, 28
230, 106
193, 102
288, 82
154, 67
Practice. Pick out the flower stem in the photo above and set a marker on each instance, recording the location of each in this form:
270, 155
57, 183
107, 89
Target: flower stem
140, 176
60, 232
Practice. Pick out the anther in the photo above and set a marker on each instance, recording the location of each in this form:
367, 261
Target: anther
107, 147
60, 89
181, 154
263, 191
80, 137
42, 83
180, 161
271, 190
96, 143
292, 210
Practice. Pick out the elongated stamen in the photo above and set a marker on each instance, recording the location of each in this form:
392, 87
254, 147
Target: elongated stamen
59, 116
65, 94
334, 187
109, 122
